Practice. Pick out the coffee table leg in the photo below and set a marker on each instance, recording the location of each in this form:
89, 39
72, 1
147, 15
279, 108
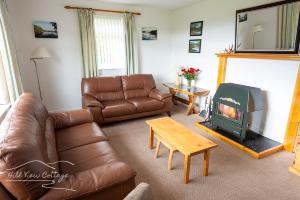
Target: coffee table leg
187, 163
157, 149
171, 152
151, 138
206, 163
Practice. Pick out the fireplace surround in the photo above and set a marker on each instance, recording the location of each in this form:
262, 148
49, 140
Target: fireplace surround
294, 114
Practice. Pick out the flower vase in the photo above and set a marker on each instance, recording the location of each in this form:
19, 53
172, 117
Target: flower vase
189, 83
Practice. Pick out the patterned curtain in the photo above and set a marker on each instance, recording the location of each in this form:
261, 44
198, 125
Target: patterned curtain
88, 42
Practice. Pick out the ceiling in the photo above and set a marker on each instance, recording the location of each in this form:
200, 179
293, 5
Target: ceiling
167, 4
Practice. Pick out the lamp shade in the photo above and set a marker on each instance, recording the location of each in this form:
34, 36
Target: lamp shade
40, 53
257, 28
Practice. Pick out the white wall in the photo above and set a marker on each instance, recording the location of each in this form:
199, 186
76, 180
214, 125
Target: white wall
218, 34
61, 75
277, 78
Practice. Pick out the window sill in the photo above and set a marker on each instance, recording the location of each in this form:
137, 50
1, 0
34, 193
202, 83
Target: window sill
3, 110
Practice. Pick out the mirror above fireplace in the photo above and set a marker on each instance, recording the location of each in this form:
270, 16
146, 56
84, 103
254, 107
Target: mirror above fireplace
271, 28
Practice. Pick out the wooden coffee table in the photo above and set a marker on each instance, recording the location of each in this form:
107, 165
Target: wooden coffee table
182, 139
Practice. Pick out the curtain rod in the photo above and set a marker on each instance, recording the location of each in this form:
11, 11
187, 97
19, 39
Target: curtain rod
101, 10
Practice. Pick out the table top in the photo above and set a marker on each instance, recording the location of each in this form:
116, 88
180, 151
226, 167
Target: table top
185, 89
183, 139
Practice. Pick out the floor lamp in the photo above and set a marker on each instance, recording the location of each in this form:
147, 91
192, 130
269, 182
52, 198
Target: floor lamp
39, 54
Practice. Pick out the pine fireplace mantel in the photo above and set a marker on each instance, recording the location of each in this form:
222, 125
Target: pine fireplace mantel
294, 116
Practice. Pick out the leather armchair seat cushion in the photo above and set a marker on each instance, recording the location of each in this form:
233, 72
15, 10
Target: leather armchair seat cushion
145, 104
117, 108
79, 135
87, 157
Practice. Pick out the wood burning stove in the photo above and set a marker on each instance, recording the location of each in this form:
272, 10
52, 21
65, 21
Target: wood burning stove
238, 108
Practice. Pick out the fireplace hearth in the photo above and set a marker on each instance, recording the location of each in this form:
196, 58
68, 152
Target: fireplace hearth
255, 142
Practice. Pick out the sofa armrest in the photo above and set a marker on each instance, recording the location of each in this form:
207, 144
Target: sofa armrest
71, 118
89, 101
93, 182
156, 94
141, 192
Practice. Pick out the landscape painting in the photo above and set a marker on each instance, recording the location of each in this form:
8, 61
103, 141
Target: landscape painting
196, 28
44, 29
195, 46
149, 33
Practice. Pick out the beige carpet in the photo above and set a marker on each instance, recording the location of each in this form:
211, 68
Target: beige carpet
233, 174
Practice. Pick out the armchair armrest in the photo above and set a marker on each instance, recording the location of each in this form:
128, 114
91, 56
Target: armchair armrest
156, 94
90, 101
71, 118
92, 182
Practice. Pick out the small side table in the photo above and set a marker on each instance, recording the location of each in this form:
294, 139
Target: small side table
192, 93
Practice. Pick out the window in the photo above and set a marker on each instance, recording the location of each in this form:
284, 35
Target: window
4, 96
10, 80
110, 42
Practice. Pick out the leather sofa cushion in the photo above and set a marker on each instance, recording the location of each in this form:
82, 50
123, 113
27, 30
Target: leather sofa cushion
103, 88
87, 157
146, 104
109, 96
117, 108
137, 93
71, 118
101, 84
79, 135
138, 85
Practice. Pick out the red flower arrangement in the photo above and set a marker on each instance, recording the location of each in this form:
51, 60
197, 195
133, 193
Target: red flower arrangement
190, 73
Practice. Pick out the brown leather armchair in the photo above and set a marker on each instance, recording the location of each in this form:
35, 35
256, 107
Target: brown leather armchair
123, 97
69, 144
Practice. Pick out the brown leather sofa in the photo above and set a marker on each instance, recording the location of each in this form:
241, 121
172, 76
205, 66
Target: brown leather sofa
45, 145
123, 97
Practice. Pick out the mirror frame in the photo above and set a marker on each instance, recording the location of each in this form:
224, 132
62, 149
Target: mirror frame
294, 51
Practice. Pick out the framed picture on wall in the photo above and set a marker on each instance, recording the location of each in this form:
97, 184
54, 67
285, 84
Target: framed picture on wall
195, 46
45, 29
243, 17
196, 28
149, 33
